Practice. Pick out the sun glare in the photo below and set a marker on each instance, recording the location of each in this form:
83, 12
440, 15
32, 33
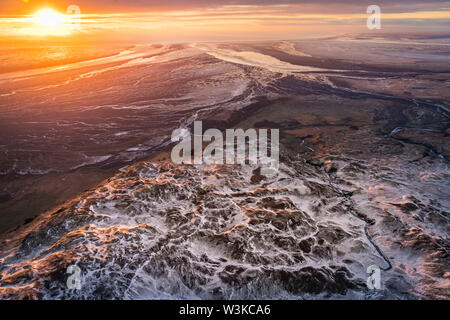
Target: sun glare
49, 17
49, 22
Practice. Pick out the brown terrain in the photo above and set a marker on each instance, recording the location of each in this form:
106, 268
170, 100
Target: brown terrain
363, 180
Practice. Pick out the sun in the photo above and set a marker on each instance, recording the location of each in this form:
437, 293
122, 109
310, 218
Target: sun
49, 18
49, 22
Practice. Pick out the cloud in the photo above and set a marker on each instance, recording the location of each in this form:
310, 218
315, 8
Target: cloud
196, 20
306, 6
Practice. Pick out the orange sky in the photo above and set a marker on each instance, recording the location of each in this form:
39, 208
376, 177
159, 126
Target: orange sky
217, 22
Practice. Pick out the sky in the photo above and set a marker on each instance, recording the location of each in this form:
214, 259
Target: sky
210, 20
317, 6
